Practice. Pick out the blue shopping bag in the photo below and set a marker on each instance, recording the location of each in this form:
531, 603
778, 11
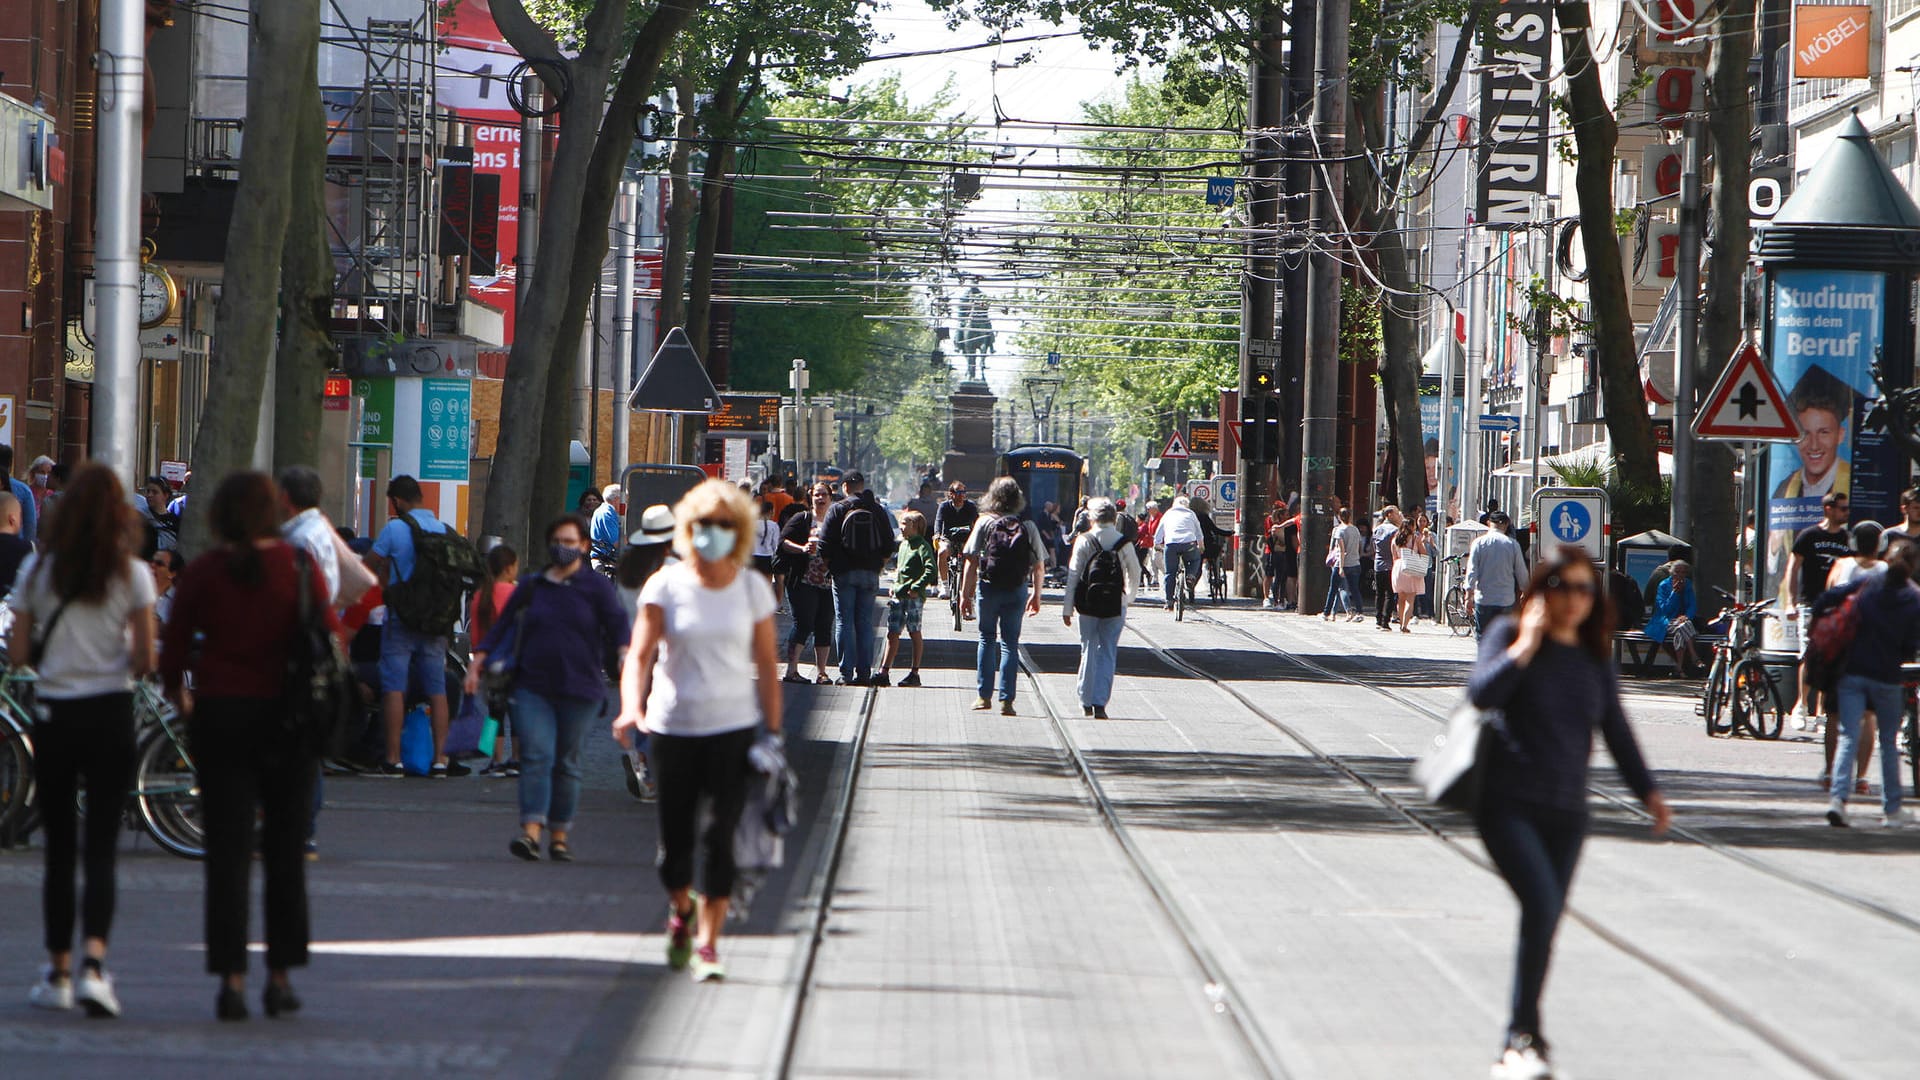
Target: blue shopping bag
416, 742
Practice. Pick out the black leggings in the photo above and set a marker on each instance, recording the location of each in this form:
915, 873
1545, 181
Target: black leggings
1535, 849
248, 763
688, 767
812, 615
86, 739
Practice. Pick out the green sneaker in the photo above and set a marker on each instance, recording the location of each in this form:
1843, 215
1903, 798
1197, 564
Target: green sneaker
707, 966
679, 938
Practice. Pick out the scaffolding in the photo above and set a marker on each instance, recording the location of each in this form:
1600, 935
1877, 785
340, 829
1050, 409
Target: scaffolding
382, 155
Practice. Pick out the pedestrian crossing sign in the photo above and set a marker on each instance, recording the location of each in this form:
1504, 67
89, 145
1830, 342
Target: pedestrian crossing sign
1176, 447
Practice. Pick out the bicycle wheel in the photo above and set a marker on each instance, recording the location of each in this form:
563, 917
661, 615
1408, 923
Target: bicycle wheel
1713, 701
168, 795
1755, 706
1913, 743
1456, 612
1180, 596
16, 781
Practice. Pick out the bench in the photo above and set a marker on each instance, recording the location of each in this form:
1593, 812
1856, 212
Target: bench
1634, 653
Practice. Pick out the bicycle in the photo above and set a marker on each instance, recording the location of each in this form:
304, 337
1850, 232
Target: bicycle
1177, 581
1739, 678
1216, 578
1455, 610
956, 565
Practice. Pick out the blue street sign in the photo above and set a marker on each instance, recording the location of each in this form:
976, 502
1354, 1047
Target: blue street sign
1499, 422
1219, 191
1570, 521
1053, 359
1228, 491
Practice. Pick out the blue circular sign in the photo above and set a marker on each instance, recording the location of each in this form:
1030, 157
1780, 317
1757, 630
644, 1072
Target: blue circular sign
1570, 521
1229, 490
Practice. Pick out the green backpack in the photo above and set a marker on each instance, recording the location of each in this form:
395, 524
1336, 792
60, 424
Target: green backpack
445, 569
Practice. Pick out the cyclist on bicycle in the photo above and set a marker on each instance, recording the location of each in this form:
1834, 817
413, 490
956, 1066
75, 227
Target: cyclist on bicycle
1179, 537
608, 528
952, 524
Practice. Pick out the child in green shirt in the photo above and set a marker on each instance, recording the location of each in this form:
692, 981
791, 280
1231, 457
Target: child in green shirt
914, 572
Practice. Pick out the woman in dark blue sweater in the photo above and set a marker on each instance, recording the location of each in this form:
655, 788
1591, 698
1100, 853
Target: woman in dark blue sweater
566, 630
1548, 674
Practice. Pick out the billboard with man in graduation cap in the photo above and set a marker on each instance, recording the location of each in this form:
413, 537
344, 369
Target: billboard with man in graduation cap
1826, 331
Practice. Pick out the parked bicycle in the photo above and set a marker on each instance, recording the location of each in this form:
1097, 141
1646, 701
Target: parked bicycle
1457, 610
1740, 692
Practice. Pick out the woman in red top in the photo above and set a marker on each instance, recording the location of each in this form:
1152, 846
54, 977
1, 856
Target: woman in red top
241, 600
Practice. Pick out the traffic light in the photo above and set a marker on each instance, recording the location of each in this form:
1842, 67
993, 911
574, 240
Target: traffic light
1260, 427
1262, 383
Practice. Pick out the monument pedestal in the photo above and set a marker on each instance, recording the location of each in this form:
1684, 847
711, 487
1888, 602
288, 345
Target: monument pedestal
972, 455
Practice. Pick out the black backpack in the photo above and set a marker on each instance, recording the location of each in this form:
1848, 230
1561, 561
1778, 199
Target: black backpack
1103, 588
445, 569
863, 536
1006, 557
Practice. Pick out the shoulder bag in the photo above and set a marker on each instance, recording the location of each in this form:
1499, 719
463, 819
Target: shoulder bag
1451, 771
319, 689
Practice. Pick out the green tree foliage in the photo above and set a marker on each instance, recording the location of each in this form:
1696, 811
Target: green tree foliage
1141, 285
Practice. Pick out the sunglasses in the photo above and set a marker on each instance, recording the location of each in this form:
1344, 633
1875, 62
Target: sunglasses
1556, 583
716, 523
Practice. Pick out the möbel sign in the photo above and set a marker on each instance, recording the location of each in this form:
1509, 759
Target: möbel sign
1832, 41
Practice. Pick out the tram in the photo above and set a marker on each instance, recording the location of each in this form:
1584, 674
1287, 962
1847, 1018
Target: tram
1048, 474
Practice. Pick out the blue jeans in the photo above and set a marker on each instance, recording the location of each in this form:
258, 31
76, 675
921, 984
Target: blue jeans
854, 593
1535, 849
1343, 585
1001, 612
1483, 617
1857, 694
1099, 652
1183, 555
550, 730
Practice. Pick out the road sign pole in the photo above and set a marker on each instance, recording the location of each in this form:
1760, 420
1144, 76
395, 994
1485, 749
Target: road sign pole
1686, 352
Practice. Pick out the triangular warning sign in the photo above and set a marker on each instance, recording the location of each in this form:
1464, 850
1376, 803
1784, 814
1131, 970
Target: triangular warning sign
1176, 447
1746, 404
674, 380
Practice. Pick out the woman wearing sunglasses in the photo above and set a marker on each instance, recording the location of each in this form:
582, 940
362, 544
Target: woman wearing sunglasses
699, 679
1547, 675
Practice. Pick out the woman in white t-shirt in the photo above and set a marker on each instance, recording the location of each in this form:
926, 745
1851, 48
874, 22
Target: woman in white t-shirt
84, 621
703, 637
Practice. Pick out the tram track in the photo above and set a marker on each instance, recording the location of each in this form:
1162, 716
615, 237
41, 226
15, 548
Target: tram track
1724, 1004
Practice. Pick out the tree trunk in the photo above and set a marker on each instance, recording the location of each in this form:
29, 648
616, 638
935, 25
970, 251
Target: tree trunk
520, 488
306, 294
282, 38
1595, 135
1716, 522
673, 261
721, 119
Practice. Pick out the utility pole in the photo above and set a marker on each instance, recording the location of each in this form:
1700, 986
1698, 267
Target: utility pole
1318, 444
122, 85
1686, 280
1298, 214
624, 223
532, 136
1260, 280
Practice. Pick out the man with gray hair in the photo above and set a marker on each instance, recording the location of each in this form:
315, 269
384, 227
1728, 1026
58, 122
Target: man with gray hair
1103, 576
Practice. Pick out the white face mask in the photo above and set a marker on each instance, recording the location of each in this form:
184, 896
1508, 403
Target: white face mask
713, 542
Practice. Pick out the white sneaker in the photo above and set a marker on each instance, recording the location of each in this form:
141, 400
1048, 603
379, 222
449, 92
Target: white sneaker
1899, 819
95, 994
1266, 605
944, 593
1522, 1063
1798, 718
51, 993
1837, 814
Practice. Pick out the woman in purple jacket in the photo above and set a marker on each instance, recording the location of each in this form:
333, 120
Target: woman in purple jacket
1548, 676
565, 630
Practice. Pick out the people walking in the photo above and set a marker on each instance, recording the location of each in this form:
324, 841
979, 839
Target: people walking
912, 577
700, 679
1387, 527
14, 548
1496, 573
564, 631
1179, 539
1343, 564
1103, 577
236, 619
1548, 677
1006, 567
83, 621
1886, 635
1412, 556
503, 573
810, 586
1866, 541
648, 548
857, 537
1815, 549
30, 506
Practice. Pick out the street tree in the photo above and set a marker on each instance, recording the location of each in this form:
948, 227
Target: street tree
282, 40
598, 116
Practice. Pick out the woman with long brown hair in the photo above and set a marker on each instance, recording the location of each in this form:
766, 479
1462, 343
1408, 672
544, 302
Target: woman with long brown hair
83, 619
1548, 676
242, 602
